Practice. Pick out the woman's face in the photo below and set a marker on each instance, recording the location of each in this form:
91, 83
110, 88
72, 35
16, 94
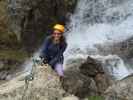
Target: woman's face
57, 35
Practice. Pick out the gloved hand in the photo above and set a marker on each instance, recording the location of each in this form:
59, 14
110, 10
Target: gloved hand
41, 57
44, 60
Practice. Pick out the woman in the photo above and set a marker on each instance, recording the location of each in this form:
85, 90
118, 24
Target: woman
53, 49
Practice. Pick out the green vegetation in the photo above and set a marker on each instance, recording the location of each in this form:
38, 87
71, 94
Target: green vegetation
6, 37
96, 98
13, 54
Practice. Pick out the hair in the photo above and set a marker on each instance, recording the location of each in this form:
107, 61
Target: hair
62, 39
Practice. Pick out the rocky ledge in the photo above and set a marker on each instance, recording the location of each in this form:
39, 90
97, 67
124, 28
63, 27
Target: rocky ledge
121, 90
82, 80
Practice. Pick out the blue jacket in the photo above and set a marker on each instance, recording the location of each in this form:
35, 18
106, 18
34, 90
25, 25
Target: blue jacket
53, 52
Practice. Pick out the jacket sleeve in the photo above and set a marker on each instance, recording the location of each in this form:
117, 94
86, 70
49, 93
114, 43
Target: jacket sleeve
59, 56
44, 48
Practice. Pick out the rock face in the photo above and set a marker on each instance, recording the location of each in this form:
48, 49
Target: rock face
8, 67
32, 18
28, 21
121, 90
5, 36
23, 26
45, 86
85, 78
93, 68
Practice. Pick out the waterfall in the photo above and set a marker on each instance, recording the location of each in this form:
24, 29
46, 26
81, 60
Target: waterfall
100, 22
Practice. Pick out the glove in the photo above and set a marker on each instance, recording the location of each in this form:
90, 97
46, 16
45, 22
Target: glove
41, 57
44, 60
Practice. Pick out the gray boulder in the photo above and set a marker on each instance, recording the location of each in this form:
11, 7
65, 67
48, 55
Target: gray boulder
121, 90
85, 78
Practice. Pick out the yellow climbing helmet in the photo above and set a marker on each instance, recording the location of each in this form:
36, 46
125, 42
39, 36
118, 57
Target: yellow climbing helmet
59, 27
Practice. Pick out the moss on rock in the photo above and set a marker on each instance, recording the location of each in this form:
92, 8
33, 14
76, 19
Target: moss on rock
15, 55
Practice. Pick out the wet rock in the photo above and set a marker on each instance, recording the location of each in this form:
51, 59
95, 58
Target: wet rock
78, 84
121, 90
124, 49
85, 78
3, 75
91, 67
94, 69
9, 68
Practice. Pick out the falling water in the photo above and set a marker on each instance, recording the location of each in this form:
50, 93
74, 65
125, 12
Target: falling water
99, 22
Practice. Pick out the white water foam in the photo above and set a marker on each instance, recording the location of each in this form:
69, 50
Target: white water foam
85, 34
